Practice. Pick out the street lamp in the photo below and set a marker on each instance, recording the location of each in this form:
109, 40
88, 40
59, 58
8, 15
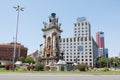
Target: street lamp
61, 57
18, 9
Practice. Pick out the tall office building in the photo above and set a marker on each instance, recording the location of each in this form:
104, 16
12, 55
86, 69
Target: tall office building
100, 43
106, 52
81, 48
100, 39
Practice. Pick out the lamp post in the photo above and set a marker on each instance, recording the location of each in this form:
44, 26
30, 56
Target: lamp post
18, 9
61, 56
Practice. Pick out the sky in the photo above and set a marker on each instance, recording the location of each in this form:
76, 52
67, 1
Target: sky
103, 15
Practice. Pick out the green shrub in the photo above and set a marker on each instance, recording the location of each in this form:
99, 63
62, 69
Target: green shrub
22, 69
2, 66
82, 67
105, 69
39, 67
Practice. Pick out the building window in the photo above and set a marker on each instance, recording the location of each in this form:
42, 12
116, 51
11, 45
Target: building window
90, 56
89, 49
78, 24
82, 24
66, 59
74, 39
85, 38
74, 46
78, 39
82, 59
90, 59
90, 53
70, 40
89, 42
75, 24
67, 40
81, 38
86, 23
70, 59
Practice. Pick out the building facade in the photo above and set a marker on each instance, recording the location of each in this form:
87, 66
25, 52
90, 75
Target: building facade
100, 43
6, 52
81, 48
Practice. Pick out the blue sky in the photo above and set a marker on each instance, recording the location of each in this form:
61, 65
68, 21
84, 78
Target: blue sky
104, 15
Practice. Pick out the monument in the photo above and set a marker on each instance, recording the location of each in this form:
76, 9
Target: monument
52, 35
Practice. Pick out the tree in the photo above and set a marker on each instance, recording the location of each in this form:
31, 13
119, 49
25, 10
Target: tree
29, 60
102, 62
21, 59
115, 61
39, 66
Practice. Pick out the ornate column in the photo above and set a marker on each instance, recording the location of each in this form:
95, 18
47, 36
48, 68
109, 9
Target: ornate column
54, 44
44, 47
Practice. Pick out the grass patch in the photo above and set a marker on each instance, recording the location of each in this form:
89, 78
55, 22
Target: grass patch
66, 72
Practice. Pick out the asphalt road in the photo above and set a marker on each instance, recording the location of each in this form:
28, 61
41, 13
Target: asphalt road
50, 76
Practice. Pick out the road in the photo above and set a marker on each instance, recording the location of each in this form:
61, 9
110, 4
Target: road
52, 76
